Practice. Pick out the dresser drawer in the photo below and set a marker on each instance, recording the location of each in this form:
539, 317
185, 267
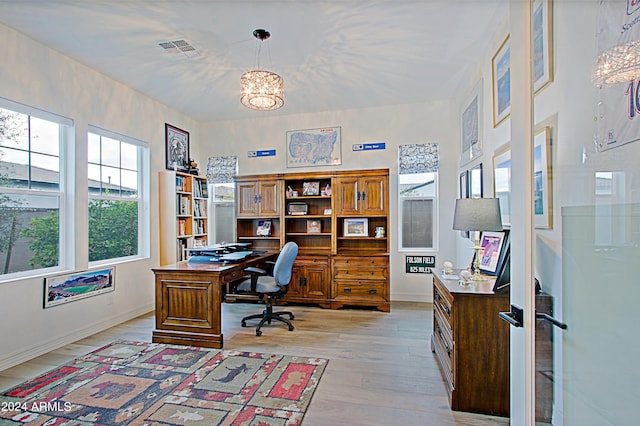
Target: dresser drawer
443, 347
360, 273
359, 290
360, 261
442, 302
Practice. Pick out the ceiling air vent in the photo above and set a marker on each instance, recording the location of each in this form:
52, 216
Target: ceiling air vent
179, 47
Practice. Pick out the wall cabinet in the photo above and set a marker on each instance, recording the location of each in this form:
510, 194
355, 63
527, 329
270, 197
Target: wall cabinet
183, 214
312, 209
258, 211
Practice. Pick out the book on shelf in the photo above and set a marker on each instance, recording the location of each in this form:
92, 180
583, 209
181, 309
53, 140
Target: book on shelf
182, 227
264, 228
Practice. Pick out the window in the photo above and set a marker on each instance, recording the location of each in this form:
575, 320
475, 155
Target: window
116, 178
418, 196
221, 172
31, 189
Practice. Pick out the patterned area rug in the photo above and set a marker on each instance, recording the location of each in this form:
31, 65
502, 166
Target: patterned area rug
152, 384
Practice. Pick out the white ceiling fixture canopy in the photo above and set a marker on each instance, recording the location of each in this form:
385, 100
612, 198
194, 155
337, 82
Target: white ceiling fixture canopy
261, 89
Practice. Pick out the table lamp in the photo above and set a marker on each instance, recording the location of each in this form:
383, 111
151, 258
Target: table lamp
477, 215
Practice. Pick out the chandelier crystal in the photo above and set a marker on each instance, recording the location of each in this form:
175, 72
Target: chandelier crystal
619, 64
260, 89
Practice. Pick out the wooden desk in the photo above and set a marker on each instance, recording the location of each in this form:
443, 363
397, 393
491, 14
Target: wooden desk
189, 298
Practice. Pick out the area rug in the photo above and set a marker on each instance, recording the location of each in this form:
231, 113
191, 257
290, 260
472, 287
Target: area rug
152, 384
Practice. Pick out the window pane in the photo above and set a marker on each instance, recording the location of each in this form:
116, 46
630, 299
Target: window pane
93, 148
129, 183
14, 130
113, 229
417, 223
14, 170
45, 172
111, 179
29, 232
45, 137
417, 185
110, 152
129, 156
224, 222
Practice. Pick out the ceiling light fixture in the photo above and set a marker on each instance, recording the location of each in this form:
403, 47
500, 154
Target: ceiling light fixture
620, 64
261, 89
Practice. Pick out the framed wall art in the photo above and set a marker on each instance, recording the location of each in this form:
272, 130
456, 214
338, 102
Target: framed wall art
542, 201
542, 44
314, 147
177, 148
471, 126
501, 83
475, 182
66, 288
502, 181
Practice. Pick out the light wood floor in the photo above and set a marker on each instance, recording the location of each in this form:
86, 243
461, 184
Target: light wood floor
381, 369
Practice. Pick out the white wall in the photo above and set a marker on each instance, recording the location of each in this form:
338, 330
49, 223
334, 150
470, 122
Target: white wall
41, 77
396, 125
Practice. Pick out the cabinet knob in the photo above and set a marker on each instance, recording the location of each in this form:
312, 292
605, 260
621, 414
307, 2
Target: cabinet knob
372, 291
347, 290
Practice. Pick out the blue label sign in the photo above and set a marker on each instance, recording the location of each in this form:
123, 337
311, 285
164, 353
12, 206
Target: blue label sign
263, 153
368, 146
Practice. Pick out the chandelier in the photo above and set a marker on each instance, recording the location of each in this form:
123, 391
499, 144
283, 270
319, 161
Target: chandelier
620, 64
261, 89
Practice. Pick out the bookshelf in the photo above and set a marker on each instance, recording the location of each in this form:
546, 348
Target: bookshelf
183, 214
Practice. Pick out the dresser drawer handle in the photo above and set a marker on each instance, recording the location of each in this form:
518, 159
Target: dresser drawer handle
447, 310
347, 290
372, 291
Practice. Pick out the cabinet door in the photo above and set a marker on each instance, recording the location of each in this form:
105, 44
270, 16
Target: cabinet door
347, 193
269, 200
295, 287
246, 196
316, 280
373, 195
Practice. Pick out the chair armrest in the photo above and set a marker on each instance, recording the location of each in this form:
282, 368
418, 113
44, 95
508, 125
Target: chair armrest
253, 270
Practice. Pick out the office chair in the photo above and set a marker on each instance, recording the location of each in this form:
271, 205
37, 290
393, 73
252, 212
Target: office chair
272, 286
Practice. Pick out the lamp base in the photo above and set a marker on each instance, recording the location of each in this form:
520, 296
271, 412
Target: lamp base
477, 276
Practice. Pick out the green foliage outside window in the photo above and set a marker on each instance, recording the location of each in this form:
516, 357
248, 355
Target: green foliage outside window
113, 229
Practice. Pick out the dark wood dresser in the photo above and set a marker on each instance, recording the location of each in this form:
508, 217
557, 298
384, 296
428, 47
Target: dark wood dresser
471, 345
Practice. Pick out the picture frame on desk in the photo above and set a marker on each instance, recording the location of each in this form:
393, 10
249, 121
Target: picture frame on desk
494, 248
357, 227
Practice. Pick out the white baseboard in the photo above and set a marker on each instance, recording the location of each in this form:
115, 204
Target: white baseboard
26, 354
411, 297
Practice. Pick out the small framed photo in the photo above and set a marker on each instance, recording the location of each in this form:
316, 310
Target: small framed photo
177, 148
493, 248
311, 188
314, 226
357, 227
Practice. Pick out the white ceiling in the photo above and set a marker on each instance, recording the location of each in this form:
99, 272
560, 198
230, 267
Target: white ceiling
332, 55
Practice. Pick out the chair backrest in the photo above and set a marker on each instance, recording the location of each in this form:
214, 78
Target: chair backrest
284, 264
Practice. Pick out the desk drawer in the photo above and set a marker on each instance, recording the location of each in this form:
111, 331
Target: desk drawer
359, 290
231, 275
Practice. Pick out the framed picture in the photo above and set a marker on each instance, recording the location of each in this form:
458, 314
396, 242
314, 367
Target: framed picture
464, 193
177, 148
471, 122
542, 202
314, 226
66, 288
357, 227
314, 147
311, 188
475, 182
464, 184
493, 248
502, 181
501, 83
542, 44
